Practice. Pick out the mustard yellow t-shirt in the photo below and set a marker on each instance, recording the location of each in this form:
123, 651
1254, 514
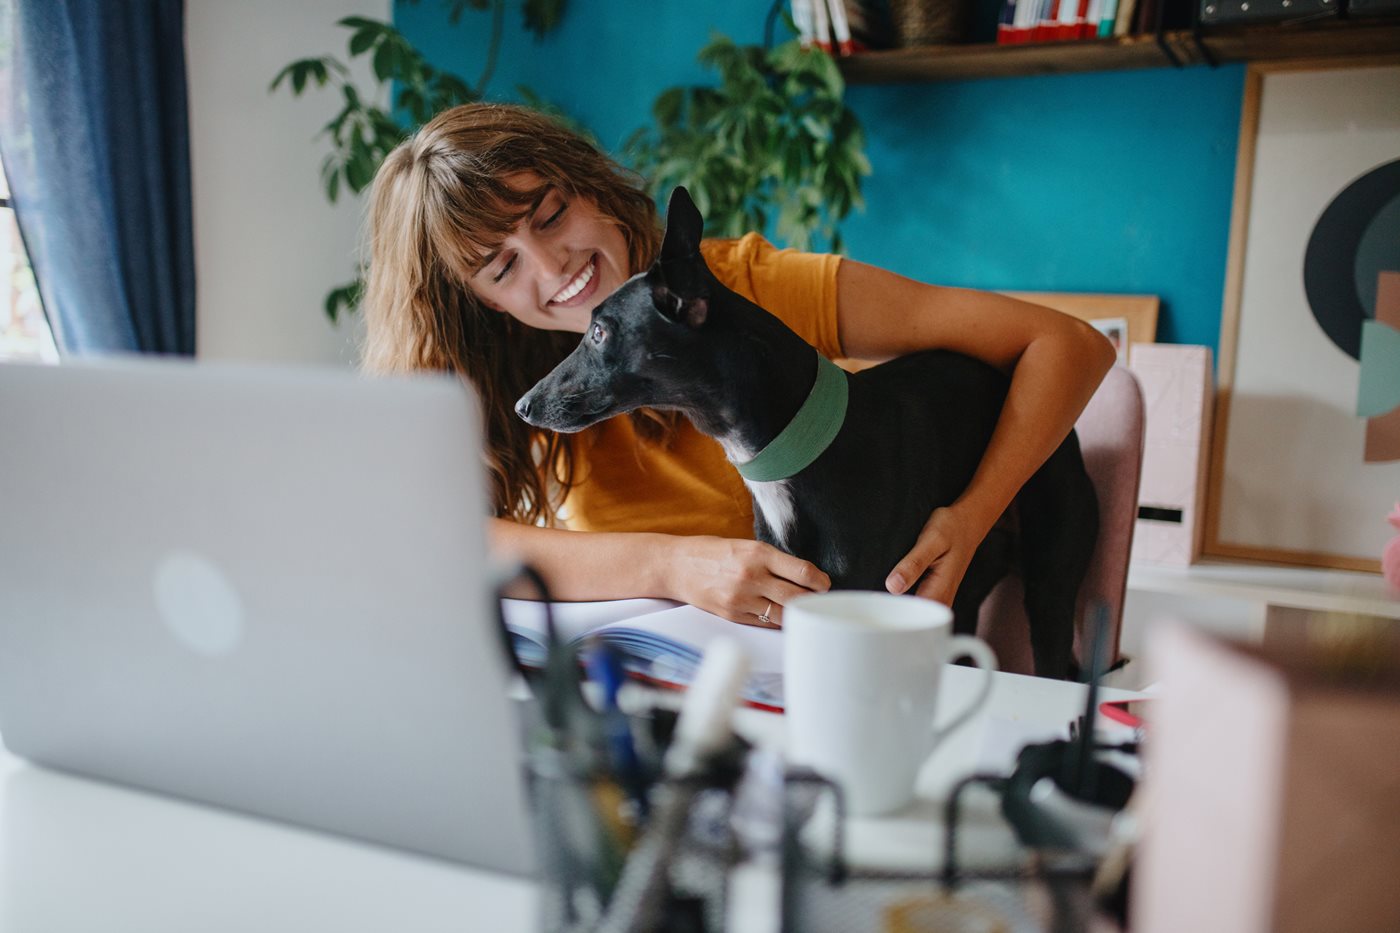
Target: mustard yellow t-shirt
689, 487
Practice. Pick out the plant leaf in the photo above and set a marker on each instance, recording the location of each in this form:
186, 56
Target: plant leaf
541, 16
361, 41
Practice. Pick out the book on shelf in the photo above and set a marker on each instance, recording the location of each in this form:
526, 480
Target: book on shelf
802, 19
1123, 19
661, 641
821, 25
1026, 21
843, 27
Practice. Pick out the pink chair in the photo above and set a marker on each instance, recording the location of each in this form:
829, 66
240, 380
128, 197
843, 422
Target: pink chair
1111, 437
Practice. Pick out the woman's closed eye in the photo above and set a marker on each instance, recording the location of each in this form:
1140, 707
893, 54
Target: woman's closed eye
554, 218
504, 271
509, 262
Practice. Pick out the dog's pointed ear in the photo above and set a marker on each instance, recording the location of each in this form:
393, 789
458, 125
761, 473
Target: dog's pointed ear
679, 289
690, 310
684, 227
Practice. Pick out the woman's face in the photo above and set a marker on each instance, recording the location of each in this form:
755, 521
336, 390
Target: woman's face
558, 264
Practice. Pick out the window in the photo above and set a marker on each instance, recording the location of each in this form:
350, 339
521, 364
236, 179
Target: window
24, 330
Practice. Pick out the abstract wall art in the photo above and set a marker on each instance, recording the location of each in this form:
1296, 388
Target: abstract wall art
1305, 458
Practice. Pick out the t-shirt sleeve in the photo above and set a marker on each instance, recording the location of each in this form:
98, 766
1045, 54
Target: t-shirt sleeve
799, 288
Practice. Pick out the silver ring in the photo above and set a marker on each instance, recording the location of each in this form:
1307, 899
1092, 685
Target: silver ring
765, 618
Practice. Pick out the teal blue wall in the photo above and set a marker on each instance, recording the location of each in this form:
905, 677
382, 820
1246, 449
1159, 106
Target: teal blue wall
1104, 182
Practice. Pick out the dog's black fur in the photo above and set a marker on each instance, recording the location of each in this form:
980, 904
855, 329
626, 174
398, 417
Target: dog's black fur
916, 428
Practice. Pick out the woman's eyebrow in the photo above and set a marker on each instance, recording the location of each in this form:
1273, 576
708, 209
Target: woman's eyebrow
534, 208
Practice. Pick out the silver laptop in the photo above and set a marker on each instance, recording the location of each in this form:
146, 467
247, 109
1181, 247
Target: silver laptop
263, 588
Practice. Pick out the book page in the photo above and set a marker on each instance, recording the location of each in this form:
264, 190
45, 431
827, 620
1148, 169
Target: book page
667, 647
663, 640
696, 628
573, 620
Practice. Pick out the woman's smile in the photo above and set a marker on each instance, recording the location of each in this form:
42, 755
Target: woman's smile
580, 288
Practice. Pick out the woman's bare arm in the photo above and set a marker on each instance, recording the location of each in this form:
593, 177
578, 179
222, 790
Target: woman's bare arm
736, 579
1055, 363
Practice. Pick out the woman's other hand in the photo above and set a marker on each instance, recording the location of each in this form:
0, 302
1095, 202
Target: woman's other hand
742, 580
944, 549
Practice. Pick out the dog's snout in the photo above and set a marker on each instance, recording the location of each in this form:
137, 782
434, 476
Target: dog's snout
522, 407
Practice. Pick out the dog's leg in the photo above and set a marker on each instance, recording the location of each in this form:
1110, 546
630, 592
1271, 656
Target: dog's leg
1059, 516
988, 566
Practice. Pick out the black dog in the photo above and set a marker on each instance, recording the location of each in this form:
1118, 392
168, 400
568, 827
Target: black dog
850, 495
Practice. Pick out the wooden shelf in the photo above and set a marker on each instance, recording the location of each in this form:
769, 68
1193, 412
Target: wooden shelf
1336, 39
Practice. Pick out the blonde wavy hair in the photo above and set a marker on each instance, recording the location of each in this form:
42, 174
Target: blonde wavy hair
439, 204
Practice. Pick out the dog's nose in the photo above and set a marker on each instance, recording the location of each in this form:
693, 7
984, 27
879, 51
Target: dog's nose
522, 407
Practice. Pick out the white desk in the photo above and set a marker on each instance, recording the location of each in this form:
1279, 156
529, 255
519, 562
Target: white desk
85, 856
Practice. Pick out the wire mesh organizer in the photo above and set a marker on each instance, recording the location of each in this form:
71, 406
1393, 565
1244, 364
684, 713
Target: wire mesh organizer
822, 892
819, 890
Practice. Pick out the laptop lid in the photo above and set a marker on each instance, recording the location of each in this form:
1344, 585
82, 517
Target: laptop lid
263, 588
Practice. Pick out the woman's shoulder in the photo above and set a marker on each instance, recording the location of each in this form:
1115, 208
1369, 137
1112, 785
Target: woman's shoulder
798, 287
736, 252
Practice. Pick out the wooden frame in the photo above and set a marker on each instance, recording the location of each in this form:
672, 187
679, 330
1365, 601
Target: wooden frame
1230, 325
1140, 311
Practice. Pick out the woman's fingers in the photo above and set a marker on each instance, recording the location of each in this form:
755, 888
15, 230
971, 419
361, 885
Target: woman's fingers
744, 581
797, 575
789, 577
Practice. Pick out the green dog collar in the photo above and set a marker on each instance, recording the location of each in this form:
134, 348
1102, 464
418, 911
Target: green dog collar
810, 432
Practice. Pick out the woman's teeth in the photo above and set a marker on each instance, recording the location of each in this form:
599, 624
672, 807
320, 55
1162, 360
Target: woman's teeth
576, 286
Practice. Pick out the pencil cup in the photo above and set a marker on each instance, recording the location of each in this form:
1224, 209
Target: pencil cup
862, 672
590, 843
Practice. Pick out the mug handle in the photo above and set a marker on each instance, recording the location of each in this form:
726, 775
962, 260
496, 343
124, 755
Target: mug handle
970, 646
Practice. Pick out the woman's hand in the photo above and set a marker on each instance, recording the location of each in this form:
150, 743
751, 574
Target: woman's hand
944, 549
742, 580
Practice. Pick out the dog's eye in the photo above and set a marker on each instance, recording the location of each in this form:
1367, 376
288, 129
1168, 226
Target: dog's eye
597, 334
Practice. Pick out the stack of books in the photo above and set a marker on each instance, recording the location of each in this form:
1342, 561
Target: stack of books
842, 27
1063, 20
1060, 20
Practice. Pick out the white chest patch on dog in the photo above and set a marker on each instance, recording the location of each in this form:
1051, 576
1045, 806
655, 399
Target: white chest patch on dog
774, 500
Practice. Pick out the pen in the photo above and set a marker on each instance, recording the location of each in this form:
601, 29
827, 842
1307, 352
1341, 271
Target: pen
604, 667
585, 798
702, 730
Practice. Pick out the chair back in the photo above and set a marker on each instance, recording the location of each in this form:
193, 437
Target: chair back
1111, 437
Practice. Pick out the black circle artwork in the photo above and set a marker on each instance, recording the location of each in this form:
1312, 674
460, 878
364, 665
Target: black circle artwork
1348, 247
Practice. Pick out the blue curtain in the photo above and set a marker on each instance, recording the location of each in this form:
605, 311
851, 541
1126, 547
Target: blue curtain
94, 133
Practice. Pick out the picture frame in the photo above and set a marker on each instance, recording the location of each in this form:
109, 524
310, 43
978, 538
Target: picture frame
1288, 482
1138, 312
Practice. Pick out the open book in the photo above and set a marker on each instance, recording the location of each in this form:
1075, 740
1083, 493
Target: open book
661, 641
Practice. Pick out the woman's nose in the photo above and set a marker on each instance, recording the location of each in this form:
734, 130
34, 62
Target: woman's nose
552, 262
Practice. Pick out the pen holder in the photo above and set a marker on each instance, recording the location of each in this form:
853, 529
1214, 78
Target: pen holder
595, 851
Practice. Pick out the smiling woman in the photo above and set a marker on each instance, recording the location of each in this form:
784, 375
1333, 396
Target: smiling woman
496, 233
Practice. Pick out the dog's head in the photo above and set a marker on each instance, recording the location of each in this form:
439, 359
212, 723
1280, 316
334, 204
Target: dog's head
639, 348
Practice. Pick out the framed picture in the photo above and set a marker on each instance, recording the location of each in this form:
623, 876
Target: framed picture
1124, 319
1297, 475
1116, 330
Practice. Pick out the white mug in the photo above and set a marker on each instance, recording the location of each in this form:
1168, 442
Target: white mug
861, 673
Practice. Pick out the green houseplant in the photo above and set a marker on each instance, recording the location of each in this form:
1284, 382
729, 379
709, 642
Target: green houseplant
363, 131
774, 135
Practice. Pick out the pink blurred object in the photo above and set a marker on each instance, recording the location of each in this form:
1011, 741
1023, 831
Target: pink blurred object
1390, 557
1177, 391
